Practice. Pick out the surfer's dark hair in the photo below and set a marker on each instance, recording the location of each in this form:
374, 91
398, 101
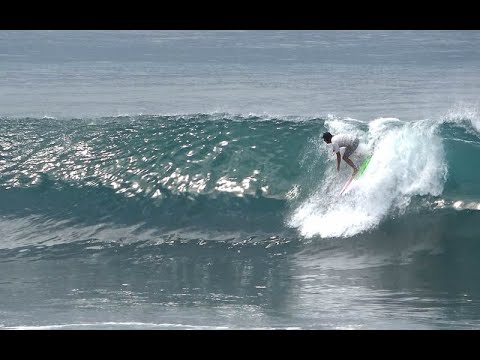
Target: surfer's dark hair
327, 136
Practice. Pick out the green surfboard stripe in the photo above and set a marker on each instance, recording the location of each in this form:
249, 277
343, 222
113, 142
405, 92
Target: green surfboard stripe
363, 166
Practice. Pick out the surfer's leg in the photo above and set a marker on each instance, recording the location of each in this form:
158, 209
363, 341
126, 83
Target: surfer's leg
350, 162
349, 151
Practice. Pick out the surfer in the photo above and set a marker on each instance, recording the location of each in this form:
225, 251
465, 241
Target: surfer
350, 143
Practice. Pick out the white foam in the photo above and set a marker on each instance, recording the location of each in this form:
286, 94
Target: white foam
463, 112
342, 126
408, 161
457, 204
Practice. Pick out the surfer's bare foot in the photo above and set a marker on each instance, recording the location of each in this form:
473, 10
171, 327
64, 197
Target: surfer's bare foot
355, 170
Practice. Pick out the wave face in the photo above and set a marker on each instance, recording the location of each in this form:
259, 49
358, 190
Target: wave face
228, 176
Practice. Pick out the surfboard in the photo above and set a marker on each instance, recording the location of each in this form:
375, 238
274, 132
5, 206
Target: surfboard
346, 185
361, 169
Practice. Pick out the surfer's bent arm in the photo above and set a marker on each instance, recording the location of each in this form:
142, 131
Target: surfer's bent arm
339, 159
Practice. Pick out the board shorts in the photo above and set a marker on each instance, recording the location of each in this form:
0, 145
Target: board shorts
350, 149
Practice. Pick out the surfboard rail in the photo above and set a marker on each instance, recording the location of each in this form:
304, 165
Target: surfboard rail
361, 169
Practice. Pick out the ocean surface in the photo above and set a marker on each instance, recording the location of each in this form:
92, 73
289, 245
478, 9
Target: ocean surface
178, 180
